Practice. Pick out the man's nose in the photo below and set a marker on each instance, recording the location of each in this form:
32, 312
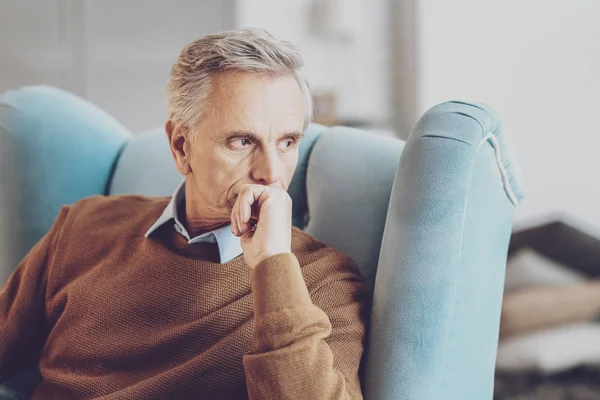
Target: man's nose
267, 168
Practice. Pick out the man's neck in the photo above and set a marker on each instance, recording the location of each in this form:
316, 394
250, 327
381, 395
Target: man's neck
198, 225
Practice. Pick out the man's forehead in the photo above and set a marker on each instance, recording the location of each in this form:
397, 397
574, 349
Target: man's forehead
241, 87
253, 103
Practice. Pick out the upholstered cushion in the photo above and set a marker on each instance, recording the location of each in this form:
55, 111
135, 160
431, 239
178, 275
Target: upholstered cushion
55, 149
146, 167
528, 268
297, 189
349, 180
551, 350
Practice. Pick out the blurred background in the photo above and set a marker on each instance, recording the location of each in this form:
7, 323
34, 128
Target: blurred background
377, 64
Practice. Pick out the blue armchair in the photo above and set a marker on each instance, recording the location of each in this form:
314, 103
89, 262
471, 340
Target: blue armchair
427, 221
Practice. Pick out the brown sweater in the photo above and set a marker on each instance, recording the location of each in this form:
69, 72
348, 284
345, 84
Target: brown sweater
113, 315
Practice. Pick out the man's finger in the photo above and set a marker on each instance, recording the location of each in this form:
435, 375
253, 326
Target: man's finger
236, 217
246, 208
242, 209
240, 217
234, 220
250, 196
244, 217
245, 211
251, 193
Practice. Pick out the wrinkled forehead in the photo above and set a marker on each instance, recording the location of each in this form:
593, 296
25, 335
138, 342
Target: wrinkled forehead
262, 104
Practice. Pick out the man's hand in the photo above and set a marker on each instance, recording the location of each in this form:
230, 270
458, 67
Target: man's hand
271, 210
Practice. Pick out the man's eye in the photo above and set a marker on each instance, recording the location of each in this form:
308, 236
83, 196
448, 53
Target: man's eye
288, 143
241, 142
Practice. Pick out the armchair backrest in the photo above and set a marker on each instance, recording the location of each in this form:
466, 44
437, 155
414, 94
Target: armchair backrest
54, 149
348, 182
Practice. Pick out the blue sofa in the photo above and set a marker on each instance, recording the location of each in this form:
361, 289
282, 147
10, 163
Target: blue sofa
427, 221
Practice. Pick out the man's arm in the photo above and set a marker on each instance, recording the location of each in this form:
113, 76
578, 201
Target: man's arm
300, 350
23, 326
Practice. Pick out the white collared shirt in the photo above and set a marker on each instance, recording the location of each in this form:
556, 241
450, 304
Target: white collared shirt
229, 245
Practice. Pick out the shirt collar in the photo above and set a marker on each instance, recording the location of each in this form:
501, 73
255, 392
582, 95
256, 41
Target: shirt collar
229, 245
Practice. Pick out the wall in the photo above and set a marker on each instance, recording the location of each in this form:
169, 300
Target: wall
115, 53
357, 70
538, 63
118, 53
33, 43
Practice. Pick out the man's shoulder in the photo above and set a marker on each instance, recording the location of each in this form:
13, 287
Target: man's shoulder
122, 204
121, 209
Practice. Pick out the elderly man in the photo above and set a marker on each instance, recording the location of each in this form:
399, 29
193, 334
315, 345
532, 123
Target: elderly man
208, 294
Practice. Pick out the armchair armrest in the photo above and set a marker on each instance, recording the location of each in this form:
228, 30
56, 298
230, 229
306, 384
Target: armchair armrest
438, 291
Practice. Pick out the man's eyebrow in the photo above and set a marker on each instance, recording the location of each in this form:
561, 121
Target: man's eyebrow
254, 137
296, 135
242, 135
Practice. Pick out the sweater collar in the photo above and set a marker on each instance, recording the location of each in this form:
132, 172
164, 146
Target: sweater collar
229, 245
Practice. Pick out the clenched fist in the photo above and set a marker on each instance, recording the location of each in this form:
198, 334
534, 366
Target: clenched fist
262, 217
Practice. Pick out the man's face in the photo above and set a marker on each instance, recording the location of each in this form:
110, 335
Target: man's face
249, 135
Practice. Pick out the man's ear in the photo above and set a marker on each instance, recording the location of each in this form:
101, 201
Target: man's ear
178, 141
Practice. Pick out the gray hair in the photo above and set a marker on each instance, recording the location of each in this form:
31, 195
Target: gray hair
250, 49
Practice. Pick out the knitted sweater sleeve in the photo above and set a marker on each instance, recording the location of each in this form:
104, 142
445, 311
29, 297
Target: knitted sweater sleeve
305, 346
23, 325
